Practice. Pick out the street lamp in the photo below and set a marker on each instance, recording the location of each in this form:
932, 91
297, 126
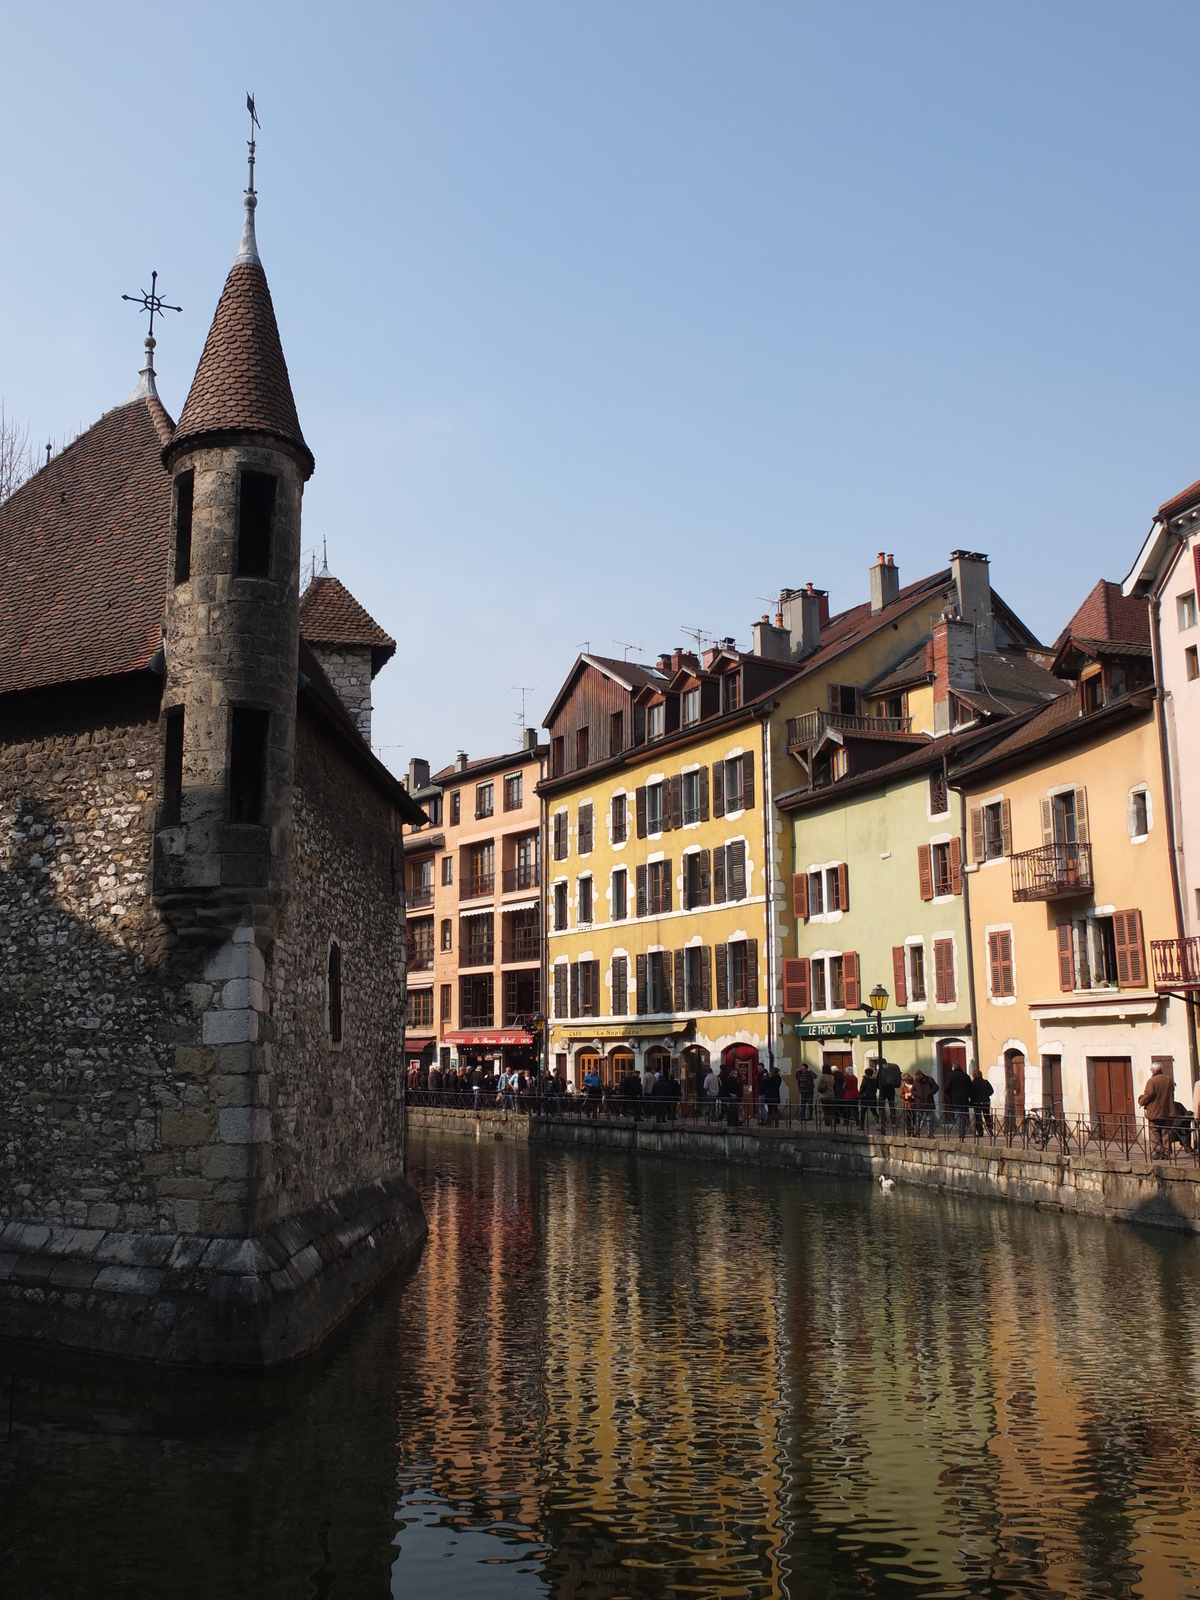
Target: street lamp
877, 1002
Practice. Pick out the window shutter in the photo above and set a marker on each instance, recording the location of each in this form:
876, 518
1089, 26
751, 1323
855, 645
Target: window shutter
899, 974
560, 988
835, 697
752, 972
585, 829
668, 880
574, 988
702, 785
795, 985
705, 978
718, 789
1066, 958
677, 801
977, 844
718, 859
956, 865
722, 977
949, 988
843, 873
1081, 816
705, 878
680, 997
1006, 964
641, 986
748, 781
735, 870
640, 802
1047, 823
994, 963
595, 966
1006, 827
800, 895
641, 890
850, 979
1131, 953
925, 871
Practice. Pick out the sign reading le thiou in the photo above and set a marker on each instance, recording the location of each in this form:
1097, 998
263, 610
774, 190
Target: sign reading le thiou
893, 1028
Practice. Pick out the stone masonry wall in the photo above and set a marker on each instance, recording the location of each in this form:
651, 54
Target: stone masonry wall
349, 671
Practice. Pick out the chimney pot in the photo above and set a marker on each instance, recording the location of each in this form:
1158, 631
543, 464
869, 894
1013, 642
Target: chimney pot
885, 583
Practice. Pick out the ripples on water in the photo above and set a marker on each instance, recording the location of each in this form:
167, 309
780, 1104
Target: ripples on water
609, 1378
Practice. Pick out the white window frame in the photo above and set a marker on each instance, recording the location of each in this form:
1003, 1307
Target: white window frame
826, 956
585, 877
1140, 838
915, 941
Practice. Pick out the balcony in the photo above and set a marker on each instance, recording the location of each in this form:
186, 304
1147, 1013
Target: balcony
477, 953
513, 951
1176, 964
476, 885
523, 877
806, 730
1052, 872
419, 897
421, 961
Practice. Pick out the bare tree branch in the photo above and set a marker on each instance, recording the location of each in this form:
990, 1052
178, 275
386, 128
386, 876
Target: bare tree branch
18, 460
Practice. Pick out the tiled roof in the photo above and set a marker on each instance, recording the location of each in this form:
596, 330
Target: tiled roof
242, 384
1107, 614
83, 555
331, 616
514, 758
1183, 501
1062, 716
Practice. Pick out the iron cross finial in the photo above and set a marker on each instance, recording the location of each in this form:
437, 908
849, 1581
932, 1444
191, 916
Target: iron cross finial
152, 302
254, 123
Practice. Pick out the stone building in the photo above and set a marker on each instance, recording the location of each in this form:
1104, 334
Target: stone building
202, 909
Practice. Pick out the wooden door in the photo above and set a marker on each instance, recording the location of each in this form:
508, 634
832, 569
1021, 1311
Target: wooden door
1112, 1093
1052, 1095
839, 1058
953, 1055
1014, 1087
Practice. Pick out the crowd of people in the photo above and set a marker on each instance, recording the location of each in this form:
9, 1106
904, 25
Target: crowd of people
888, 1097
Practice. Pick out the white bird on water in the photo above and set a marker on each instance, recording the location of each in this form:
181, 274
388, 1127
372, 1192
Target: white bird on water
887, 1184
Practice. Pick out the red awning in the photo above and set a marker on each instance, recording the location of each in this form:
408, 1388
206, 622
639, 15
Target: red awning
509, 1036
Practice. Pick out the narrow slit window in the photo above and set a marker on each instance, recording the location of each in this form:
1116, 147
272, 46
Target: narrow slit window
185, 488
247, 764
256, 513
172, 796
335, 993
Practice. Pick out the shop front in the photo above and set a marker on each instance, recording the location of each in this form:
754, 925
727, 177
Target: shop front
849, 1042
494, 1049
612, 1049
419, 1052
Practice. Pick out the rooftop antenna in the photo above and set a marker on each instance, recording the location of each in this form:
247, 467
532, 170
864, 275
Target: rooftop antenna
620, 643
154, 304
775, 601
699, 635
522, 689
249, 249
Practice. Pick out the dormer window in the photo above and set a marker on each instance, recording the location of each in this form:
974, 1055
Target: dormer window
656, 720
691, 706
733, 695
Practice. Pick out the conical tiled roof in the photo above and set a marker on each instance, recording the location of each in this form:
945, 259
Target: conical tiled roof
242, 384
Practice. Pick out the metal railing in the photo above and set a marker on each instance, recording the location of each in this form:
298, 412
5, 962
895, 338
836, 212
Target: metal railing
526, 877
1052, 872
1176, 963
477, 954
1112, 1137
808, 729
477, 884
417, 898
514, 950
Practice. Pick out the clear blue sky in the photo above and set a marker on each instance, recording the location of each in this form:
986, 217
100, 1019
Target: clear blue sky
607, 319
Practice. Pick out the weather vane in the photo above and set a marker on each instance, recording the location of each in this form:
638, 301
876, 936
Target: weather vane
152, 302
254, 123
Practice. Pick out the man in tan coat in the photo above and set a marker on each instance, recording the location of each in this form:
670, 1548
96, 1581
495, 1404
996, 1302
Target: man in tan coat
1158, 1101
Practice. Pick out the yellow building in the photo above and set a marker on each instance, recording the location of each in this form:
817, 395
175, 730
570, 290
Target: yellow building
668, 867
1068, 882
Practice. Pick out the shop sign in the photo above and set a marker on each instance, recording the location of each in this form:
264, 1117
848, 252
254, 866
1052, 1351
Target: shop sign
893, 1028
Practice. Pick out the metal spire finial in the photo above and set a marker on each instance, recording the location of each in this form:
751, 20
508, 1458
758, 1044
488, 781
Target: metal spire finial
153, 303
324, 572
249, 247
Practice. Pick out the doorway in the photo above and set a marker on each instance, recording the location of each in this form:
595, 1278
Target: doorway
1052, 1095
619, 1065
1112, 1094
1014, 1088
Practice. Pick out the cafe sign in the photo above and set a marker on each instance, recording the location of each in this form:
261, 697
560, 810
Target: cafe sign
893, 1028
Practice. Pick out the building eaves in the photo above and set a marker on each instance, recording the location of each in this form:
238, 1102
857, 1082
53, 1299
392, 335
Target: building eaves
931, 754
331, 617
1061, 723
483, 765
629, 674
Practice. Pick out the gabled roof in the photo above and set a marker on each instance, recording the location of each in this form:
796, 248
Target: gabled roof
1061, 721
630, 675
83, 555
1183, 501
242, 383
1109, 615
480, 767
330, 616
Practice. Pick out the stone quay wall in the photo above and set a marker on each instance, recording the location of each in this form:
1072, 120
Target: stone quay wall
1156, 1195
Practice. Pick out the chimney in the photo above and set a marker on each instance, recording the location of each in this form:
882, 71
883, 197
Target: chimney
885, 583
531, 738
460, 761
953, 665
973, 587
418, 775
803, 612
664, 665
770, 642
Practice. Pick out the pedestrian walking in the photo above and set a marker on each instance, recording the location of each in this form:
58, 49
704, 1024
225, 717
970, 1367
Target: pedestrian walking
1157, 1099
889, 1083
849, 1095
712, 1091
868, 1097
906, 1101
773, 1087
806, 1087
958, 1093
924, 1093
981, 1094
827, 1093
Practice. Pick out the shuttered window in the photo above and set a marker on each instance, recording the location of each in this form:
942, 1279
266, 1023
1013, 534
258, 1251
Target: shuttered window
795, 985
560, 835
642, 994
680, 981
620, 821
1000, 964
620, 986
560, 988
900, 974
722, 960
800, 895
850, 980
675, 808
560, 907
1131, 952
642, 890
620, 895
639, 798
925, 871
718, 876
574, 988
659, 897
735, 870
718, 795
916, 968
584, 835
1066, 956
589, 989
944, 988
584, 912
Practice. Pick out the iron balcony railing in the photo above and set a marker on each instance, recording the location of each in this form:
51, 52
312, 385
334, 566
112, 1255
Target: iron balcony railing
1052, 872
477, 953
515, 950
476, 884
522, 877
1176, 963
418, 897
808, 729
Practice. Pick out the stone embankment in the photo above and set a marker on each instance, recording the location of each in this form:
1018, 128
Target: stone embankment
1156, 1194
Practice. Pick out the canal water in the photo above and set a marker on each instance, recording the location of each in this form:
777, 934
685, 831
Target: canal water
609, 1377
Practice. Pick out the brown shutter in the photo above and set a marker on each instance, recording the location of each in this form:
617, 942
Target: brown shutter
752, 972
800, 895
925, 871
705, 878
977, 844
956, 865
850, 979
641, 986
795, 986
735, 870
949, 987
1131, 951
994, 963
722, 977
843, 872
641, 890
1006, 964
1006, 827
1082, 835
705, 978
702, 785
676, 789
748, 781
899, 975
718, 861
1047, 823
668, 881
574, 988
640, 801
680, 997
718, 789
1066, 958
